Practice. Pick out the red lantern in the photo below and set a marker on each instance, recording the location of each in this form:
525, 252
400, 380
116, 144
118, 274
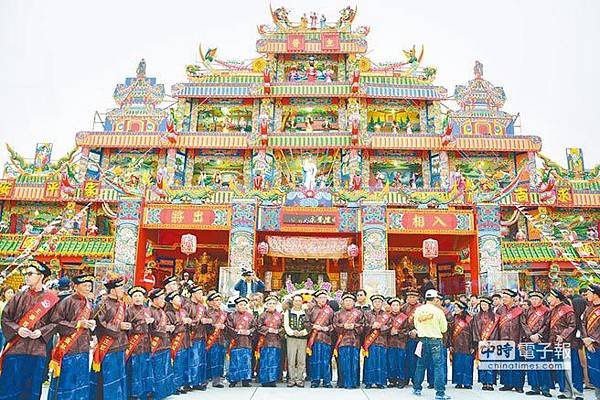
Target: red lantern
353, 250
263, 248
188, 244
430, 248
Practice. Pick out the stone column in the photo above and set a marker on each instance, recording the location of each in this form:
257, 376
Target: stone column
374, 252
126, 238
242, 237
489, 248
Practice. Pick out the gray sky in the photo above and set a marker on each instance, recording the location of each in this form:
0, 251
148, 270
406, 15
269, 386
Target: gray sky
60, 60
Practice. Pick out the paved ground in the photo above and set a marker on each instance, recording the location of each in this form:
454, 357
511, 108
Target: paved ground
284, 393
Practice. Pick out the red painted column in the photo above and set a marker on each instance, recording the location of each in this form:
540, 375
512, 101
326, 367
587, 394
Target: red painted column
474, 258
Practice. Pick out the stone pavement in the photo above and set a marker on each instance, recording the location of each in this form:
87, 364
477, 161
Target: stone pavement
284, 393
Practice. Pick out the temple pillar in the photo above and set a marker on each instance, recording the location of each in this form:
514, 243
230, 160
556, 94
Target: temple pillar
531, 169
127, 236
242, 237
444, 170
489, 248
83, 163
374, 252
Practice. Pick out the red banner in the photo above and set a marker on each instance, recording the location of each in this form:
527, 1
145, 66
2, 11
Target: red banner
330, 41
295, 42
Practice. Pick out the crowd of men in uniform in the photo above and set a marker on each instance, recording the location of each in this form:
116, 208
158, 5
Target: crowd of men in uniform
158, 343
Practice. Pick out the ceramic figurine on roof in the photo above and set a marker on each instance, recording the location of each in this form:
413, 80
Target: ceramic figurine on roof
138, 100
480, 108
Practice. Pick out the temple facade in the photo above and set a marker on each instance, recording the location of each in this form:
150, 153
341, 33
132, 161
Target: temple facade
310, 163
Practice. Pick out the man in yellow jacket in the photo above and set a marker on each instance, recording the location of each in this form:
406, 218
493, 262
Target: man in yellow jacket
430, 323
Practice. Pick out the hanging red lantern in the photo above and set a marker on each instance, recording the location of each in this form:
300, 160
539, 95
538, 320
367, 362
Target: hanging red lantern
430, 248
263, 248
353, 250
188, 244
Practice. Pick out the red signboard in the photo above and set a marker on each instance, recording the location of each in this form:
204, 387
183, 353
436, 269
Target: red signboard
295, 42
177, 217
424, 221
330, 41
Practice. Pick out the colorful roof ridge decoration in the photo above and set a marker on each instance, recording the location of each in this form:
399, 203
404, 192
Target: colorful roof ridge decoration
519, 252
67, 246
480, 108
137, 99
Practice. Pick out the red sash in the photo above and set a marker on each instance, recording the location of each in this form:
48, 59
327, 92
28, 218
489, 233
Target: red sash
593, 319
322, 317
106, 341
214, 336
31, 318
177, 341
242, 324
399, 320
135, 339
155, 341
199, 313
354, 315
563, 310
65, 343
411, 315
509, 316
460, 325
489, 329
536, 316
372, 337
272, 323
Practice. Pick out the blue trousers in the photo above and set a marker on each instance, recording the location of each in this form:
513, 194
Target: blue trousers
539, 379
396, 370
180, 369
486, 377
240, 364
22, 377
140, 376
74, 380
269, 367
110, 382
410, 360
462, 369
432, 350
430, 367
197, 363
513, 378
375, 368
320, 363
216, 361
349, 362
576, 373
162, 371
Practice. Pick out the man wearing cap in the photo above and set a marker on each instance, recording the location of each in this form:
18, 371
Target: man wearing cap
510, 328
240, 326
485, 324
396, 345
249, 284
534, 322
410, 333
170, 284
215, 340
108, 380
377, 327
319, 323
296, 336
160, 346
180, 341
70, 358
461, 350
27, 326
197, 353
137, 355
430, 324
562, 331
348, 323
268, 348
590, 334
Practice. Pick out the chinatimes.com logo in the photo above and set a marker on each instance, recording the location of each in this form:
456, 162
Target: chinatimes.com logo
502, 355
